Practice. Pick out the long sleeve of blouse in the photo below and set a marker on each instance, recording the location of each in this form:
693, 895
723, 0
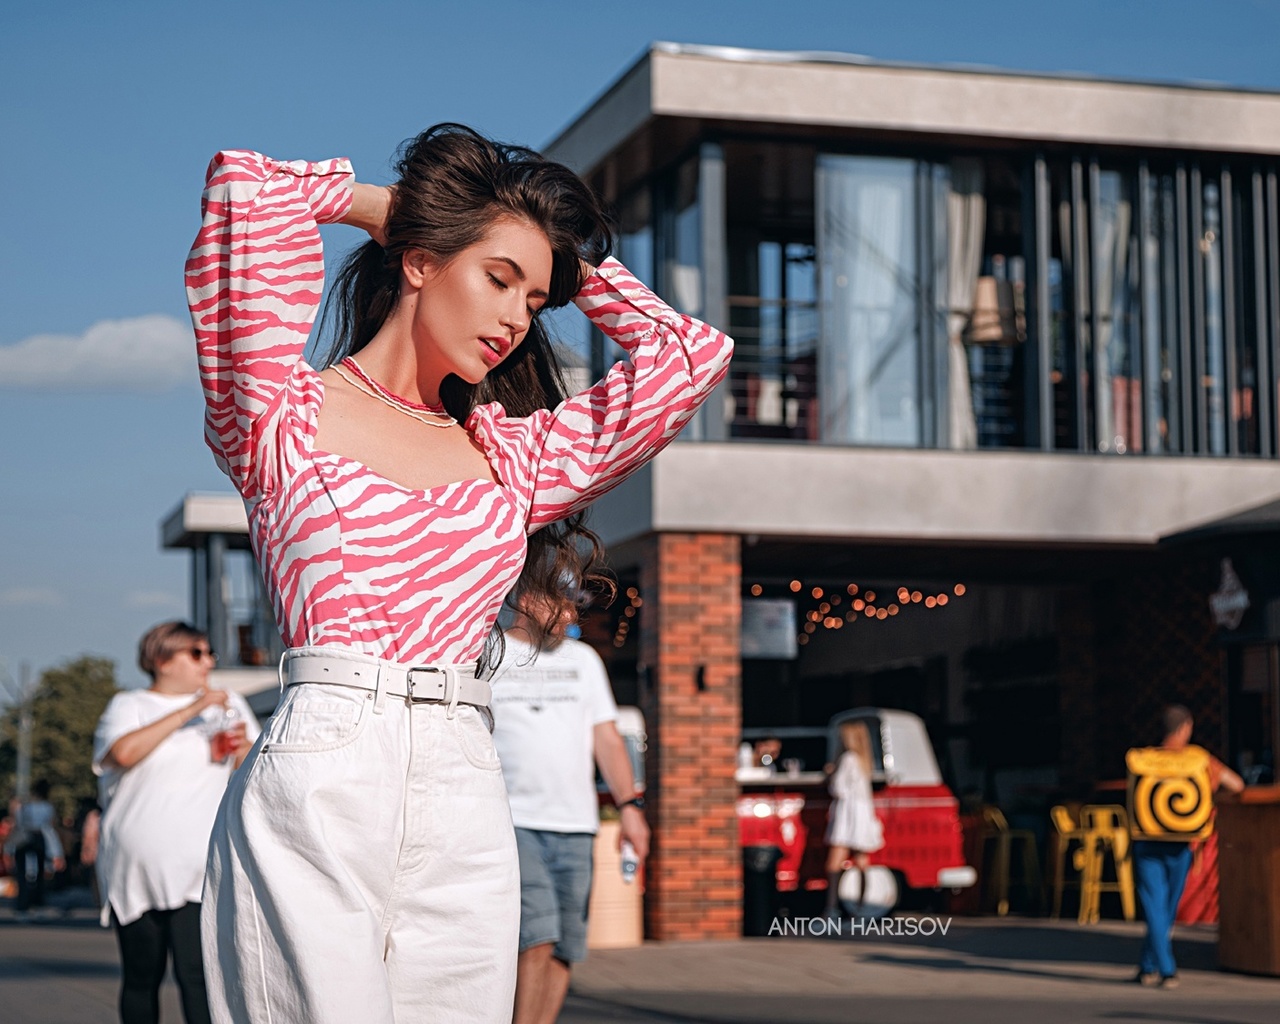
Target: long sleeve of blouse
254, 280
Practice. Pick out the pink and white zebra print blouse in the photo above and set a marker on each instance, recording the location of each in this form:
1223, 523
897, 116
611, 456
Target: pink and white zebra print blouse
352, 559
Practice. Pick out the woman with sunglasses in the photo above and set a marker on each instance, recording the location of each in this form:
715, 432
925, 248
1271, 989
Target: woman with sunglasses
364, 862
163, 756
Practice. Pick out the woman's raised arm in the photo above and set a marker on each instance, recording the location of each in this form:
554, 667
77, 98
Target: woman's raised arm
592, 441
254, 279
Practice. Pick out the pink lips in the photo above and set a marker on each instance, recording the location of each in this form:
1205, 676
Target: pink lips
491, 357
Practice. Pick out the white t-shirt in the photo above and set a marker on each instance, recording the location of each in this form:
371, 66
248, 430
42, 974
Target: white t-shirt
158, 815
544, 715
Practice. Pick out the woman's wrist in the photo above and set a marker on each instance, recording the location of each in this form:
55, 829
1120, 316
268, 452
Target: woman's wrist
370, 206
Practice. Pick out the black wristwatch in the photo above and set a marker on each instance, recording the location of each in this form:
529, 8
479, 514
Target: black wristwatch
636, 801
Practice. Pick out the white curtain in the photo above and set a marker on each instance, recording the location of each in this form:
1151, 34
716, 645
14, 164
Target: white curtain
1114, 216
966, 222
868, 282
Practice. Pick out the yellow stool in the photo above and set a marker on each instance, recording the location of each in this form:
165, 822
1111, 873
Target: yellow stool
1106, 830
996, 830
1066, 830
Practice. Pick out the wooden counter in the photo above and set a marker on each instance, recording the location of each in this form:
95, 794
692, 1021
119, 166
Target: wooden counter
1249, 881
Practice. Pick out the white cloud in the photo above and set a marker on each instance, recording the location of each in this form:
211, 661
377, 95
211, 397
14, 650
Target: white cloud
141, 353
31, 597
153, 599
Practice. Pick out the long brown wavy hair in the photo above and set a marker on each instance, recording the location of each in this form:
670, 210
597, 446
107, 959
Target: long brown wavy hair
453, 183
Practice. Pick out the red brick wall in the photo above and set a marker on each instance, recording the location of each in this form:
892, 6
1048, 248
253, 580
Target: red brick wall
691, 587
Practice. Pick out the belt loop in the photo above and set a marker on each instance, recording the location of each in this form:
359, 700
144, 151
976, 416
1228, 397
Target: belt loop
284, 656
452, 680
380, 688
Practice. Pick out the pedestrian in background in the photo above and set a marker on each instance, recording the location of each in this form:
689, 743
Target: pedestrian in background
555, 722
1160, 866
163, 756
36, 847
853, 830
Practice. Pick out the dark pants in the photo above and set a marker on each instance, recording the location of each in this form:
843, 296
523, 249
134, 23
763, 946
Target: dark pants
1160, 871
29, 863
145, 945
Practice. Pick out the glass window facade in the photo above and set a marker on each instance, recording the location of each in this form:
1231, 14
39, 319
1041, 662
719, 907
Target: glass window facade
869, 274
1114, 304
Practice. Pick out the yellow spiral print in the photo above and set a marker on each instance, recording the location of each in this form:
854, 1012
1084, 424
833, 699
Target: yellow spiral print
1177, 806
1170, 796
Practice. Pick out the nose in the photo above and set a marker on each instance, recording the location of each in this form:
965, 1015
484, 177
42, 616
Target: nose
516, 316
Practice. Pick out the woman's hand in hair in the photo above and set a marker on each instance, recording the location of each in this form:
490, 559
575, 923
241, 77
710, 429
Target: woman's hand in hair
370, 208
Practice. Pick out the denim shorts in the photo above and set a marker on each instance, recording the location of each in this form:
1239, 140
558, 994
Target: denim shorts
555, 889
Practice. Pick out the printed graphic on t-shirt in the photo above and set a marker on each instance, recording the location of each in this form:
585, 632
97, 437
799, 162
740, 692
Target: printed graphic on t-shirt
539, 686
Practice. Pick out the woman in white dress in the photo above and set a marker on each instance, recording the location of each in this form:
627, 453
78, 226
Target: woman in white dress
853, 830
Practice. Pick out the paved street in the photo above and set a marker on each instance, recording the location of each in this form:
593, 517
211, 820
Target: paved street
983, 970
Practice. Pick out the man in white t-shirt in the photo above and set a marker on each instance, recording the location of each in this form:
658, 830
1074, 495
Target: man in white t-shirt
554, 721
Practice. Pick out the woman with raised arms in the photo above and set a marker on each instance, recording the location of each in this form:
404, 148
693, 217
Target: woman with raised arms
363, 865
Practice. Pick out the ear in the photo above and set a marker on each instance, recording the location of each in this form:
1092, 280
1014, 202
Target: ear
415, 265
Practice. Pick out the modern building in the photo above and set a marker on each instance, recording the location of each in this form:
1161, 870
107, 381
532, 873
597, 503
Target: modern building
999, 443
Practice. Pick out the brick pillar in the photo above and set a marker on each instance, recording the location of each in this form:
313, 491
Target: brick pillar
691, 694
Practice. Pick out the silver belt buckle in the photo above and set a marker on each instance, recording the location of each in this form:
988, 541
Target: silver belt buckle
436, 690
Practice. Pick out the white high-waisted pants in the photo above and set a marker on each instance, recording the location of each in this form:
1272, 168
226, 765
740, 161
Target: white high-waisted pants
363, 869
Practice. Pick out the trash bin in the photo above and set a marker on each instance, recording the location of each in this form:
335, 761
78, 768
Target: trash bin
759, 888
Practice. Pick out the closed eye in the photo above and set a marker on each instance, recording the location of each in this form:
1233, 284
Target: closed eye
502, 286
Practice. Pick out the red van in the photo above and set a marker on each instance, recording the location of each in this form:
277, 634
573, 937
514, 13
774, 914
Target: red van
784, 805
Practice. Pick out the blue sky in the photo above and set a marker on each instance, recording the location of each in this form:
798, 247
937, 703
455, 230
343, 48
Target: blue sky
110, 113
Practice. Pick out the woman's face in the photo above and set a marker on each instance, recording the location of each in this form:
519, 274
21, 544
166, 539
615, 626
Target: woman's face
473, 311
187, 669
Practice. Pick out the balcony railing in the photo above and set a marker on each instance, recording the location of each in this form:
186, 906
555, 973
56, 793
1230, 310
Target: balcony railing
773, 378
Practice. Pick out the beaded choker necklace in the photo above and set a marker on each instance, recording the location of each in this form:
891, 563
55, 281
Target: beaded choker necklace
361, 381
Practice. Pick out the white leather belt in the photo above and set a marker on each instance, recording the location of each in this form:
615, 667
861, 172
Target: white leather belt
419, 684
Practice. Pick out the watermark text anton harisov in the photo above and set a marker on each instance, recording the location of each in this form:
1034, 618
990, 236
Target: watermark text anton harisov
871, 927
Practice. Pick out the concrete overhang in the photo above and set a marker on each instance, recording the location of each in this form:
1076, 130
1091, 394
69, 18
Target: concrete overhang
993, 499
845, 91
199, 515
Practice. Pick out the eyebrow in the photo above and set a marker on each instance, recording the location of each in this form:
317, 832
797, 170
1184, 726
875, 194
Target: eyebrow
519, 272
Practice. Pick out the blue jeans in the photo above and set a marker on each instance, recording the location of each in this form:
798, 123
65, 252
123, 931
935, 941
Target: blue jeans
555, 890
1161, 872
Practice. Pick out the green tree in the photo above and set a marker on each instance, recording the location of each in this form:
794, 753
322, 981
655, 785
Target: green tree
68, 702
